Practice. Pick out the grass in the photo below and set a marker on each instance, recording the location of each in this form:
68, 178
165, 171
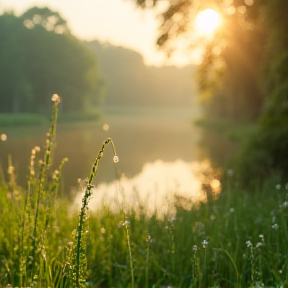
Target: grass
25, 119
235, 239
32, 119
233, 131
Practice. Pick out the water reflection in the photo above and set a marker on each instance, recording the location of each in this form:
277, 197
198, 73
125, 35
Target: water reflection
141, 136
154, 188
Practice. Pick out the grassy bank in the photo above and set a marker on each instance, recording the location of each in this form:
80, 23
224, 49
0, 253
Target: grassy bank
230, 130
32, 119
234, 239
16, 120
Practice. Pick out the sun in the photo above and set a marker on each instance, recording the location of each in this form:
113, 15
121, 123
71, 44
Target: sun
207, 21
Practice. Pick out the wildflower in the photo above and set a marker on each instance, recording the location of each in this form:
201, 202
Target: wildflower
275, 226
204, 243
261, 236
259, 244
194, 247
249, 243
284, 205
278, 186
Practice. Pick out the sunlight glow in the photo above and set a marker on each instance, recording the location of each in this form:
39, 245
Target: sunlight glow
207, 21
154, 188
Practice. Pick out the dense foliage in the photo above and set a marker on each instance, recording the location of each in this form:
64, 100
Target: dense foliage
243, 75
39, 57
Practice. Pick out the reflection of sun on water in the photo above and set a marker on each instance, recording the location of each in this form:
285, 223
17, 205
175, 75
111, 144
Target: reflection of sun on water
154, 188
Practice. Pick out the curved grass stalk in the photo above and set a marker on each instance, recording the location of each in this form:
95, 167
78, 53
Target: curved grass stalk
79, 261
233, 264
46, 163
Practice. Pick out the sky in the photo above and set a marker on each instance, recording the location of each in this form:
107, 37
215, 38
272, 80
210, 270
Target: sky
118, 22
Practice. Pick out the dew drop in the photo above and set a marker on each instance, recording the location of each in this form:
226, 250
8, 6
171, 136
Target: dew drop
116, 159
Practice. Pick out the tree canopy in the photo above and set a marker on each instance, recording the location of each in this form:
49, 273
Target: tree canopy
39, 57
243, 75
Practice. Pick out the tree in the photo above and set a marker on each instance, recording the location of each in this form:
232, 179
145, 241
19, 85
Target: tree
40, 58
267, 149
243, 72
228, 74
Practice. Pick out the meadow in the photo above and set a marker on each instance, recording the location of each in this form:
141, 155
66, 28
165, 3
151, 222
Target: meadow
237, 238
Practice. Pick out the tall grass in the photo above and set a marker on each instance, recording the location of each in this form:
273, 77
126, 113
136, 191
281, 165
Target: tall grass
236, 239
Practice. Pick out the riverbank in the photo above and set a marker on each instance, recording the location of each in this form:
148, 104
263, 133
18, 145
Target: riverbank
33, 119
230, 130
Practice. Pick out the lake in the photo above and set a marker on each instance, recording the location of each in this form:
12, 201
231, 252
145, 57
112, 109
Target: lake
160, 152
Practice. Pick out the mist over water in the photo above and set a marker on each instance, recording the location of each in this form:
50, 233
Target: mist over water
158, 149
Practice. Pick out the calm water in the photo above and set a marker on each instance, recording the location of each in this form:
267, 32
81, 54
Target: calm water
159, 151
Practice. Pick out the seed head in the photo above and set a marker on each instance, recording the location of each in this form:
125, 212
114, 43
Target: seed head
56, 98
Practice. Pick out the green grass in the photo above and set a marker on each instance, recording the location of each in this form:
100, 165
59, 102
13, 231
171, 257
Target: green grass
230, 130
235, 239
32, 119
25, 119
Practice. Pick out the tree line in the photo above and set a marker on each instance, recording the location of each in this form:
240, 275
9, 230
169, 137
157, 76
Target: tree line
39, 57
129, 82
